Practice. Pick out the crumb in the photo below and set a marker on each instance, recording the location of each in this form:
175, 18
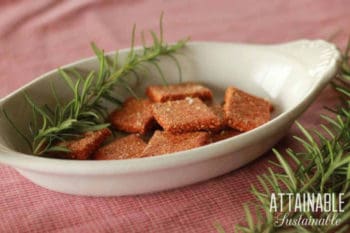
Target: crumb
163, 142
134, 117
185, 116
243, 111
127, 147
178, 91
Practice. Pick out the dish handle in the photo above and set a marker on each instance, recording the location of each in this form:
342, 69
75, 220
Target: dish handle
319, 57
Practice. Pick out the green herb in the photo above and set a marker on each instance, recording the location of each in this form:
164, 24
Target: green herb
86, 111
323, 167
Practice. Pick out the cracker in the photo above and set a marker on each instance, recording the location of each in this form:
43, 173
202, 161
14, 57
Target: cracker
127, 147
224, 134
163, 142
84, 147
178, 91
187, 115
218, 110
135, 116
243, 111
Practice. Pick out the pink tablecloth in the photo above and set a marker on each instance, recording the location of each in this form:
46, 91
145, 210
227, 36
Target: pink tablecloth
37, 36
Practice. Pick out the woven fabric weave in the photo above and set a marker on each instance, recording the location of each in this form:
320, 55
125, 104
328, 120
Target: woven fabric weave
37, 36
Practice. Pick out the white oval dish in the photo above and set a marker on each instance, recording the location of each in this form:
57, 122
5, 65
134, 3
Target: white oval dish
290, 75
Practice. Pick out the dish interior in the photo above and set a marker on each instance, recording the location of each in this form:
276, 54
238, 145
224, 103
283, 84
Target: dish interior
255, 69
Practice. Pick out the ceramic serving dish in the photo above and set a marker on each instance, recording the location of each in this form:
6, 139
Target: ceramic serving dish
290, 75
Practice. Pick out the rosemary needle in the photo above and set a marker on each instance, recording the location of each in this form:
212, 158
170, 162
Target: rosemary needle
322, 168
86, 111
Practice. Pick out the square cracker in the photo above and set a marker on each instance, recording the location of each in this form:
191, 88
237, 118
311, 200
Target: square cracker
163, 142
84, 147
134, 116
224, 134
219, 111
243, 111
127, 147
159, 93
186, 115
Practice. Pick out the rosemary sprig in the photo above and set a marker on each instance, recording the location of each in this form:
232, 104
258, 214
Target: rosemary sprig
323, 167
86, 111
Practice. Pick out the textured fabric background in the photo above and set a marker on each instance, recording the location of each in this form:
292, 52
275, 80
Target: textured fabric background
37, 36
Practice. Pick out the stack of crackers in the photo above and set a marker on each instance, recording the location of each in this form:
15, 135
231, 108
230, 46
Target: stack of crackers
173, 118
